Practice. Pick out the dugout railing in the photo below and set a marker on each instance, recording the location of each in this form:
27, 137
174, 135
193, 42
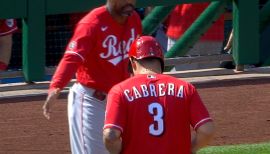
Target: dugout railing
33, 13
169, 62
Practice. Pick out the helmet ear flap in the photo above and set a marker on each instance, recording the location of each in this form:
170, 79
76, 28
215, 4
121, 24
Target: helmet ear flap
130, 70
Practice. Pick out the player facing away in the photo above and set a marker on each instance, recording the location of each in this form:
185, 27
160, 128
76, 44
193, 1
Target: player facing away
151, 113
98, 54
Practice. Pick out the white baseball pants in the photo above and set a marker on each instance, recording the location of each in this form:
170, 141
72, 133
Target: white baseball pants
86, 120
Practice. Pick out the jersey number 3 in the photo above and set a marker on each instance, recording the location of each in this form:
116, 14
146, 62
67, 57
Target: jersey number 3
156, 110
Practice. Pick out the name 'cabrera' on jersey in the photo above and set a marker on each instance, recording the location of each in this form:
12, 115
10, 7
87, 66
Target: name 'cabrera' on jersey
154, 90
155, 111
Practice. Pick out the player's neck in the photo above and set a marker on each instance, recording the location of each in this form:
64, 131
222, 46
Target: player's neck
118, 18
148, 71
146, 67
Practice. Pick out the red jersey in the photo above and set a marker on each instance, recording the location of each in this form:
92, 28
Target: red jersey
98, 51
184, 15
154, 114
7, 26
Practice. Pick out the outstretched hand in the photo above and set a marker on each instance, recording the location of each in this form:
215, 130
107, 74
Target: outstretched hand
51, 98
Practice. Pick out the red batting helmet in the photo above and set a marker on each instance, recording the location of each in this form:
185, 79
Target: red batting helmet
146, 47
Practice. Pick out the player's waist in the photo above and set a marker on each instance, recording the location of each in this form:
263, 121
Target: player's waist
99, 84
99, 95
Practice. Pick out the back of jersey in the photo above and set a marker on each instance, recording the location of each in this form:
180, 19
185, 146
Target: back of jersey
154, 113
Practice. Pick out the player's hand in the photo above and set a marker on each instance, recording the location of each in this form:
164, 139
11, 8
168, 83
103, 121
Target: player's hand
227, 47
51, 98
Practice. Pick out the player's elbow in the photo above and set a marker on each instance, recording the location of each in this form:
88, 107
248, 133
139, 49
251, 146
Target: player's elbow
204, 134
207, 131
110, 136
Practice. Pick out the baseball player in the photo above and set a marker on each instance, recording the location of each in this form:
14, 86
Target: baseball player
151, 112
7, 27
98, 54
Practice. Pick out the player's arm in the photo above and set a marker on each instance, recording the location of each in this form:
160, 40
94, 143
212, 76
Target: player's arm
200, 121
112, 140
228, 45
115, 120
202, 137
74, 56
5, 51
63, 74
72, 59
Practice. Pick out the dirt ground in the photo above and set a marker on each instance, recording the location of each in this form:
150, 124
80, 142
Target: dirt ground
240, 109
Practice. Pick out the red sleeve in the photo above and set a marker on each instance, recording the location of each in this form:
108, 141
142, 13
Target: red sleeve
7, 26
83, 40
76, 51
198, 112
115, 115
65, 71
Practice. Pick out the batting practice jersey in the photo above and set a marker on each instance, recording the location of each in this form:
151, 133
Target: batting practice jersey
98, 51
154, 114
7, 26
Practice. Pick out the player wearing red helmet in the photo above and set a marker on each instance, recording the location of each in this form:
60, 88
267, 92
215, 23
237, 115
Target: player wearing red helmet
97, 55
152, 112
146, 47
